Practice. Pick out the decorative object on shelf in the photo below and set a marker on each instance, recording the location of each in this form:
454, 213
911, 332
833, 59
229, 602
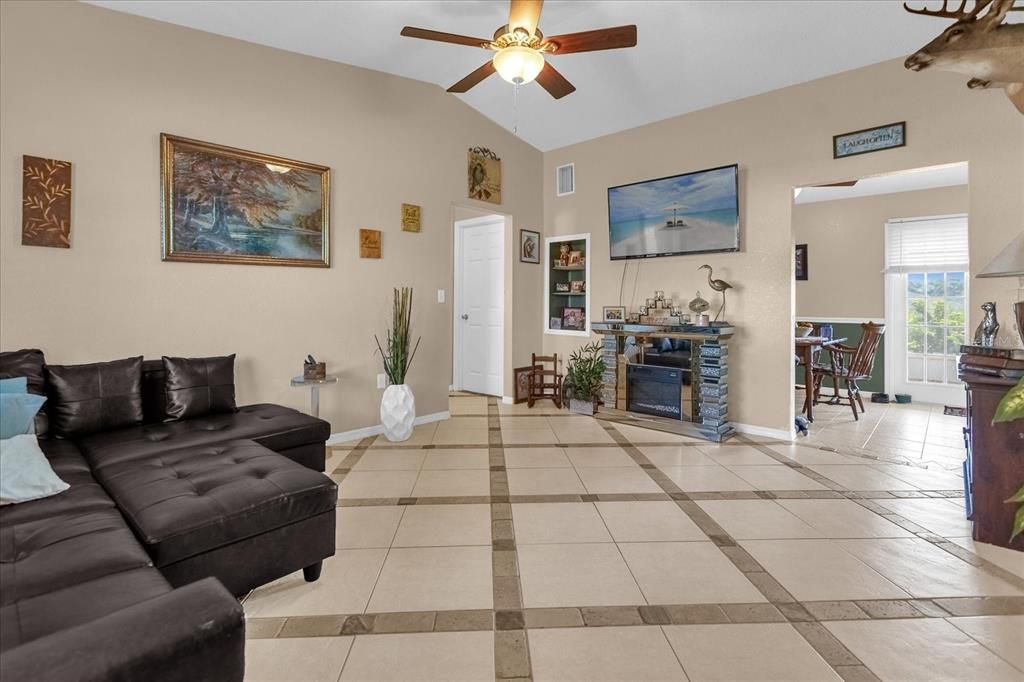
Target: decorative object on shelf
313, 370
1010, 263
576, 259
614, 313
561, 287
698, 304
643, 310
801, 262
529, 246
719, 285
869, 140
410, 218
555, 323
694, 212
577, 286
703, 320
563, 255
584, 378
484, 175
573, 318
521, 382
982, 47
369, 243
659, 299
398, 405
227, 205
988, 330
45, 202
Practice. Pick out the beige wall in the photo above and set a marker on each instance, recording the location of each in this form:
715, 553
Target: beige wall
782, 140
846, 246
97, 88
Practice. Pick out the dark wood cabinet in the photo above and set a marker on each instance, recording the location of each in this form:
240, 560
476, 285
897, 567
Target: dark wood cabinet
995, 457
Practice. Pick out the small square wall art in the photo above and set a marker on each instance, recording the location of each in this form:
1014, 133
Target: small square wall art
46, 202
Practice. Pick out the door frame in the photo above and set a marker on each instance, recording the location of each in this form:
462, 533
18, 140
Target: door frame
895, 342
457, 340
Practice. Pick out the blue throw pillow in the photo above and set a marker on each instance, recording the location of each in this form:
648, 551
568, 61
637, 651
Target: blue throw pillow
17, 410
15, 385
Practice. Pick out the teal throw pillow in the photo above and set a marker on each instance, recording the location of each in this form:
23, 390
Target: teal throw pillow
17, 410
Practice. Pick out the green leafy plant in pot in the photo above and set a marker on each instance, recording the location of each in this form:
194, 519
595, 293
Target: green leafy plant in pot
1011, 408
584, 378
398, 406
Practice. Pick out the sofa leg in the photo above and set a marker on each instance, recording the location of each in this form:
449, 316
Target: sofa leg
312, 573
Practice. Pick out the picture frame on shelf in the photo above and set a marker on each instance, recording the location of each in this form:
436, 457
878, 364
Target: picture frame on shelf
576, 259
577, 286
614, 313
529, 246
573, 318
561, 287
555, 323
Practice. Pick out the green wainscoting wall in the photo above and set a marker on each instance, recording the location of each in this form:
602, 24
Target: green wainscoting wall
852, 332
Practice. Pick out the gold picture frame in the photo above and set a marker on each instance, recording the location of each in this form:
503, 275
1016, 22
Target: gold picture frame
410, 218
270, 210
484, 175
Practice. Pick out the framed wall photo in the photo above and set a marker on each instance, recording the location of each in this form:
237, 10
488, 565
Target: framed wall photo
800, 253
529, 246
614, 313
227, 205
869, 140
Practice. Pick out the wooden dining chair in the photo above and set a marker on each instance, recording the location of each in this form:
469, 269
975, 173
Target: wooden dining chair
850, 364
545, 382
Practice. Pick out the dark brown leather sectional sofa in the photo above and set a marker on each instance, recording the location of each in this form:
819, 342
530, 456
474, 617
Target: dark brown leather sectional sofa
133, 572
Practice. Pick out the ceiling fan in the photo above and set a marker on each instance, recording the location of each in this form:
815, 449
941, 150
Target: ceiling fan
520, 48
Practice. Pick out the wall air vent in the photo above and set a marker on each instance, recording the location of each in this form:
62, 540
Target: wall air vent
565, 179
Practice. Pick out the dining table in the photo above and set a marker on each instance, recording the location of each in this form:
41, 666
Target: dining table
806, 347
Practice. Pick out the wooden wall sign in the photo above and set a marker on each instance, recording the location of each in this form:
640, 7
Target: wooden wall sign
46, 202
410, 218
369, 243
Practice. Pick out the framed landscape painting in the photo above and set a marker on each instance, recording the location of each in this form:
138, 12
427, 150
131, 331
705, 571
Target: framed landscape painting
226, 205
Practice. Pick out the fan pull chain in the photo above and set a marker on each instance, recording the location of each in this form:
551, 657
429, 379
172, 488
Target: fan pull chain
515, 108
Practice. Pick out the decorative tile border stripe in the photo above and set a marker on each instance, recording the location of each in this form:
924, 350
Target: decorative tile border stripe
800, 614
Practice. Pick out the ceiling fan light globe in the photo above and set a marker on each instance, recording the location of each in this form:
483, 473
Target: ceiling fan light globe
518, 64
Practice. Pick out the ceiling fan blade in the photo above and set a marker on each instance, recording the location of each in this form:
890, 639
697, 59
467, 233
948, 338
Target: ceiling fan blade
426, 34
844, 183
524, 14
474, 78
590, 41
554, 82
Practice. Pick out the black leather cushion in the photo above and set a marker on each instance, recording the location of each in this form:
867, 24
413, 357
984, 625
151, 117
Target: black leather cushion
196, 387
272, 426
29, 363
95, 397
188, 501
153, 398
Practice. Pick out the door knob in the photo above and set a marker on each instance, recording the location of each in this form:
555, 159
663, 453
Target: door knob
465, 316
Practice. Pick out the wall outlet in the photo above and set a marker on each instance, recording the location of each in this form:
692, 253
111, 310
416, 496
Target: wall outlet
440, 295
382, 381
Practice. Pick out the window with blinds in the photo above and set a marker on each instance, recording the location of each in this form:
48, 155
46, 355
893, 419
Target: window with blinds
926, 245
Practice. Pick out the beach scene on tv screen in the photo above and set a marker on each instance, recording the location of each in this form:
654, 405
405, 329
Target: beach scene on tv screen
682, 214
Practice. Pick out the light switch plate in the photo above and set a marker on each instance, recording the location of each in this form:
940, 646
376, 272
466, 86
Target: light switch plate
440, 295
382, 381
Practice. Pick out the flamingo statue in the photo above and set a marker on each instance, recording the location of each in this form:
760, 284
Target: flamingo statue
719, 285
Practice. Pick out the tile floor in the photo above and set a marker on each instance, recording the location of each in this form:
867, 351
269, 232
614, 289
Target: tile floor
509, 543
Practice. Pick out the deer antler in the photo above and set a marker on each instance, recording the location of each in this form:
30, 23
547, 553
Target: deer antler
958, 13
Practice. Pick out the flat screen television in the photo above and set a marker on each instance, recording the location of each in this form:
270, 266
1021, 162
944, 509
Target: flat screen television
695, 212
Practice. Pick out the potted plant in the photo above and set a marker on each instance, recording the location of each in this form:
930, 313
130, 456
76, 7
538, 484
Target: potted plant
584, 378
1011, 408
398, 406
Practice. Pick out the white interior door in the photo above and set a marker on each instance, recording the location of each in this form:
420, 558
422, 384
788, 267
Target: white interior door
480, 305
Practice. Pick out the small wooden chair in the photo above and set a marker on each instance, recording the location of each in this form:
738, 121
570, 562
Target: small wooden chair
545, 383
851, 364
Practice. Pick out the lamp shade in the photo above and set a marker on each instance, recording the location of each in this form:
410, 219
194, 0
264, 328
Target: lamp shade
518, 64
1009, 262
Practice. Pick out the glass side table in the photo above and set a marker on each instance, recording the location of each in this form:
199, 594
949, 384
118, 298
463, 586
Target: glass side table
314, 390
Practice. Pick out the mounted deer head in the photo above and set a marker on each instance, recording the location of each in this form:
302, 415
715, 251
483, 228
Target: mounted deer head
976, 45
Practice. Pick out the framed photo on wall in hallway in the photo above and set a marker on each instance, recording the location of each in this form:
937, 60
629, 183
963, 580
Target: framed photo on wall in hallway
529, 246
801, 262
227, 205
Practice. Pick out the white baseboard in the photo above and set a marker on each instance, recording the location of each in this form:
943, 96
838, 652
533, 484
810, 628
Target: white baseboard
763, 431
366, 432
508, 400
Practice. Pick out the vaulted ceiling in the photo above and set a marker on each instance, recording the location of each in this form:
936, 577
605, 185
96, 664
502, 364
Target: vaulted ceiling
691, 55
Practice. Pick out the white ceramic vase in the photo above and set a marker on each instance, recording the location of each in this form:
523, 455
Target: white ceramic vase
397, 412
